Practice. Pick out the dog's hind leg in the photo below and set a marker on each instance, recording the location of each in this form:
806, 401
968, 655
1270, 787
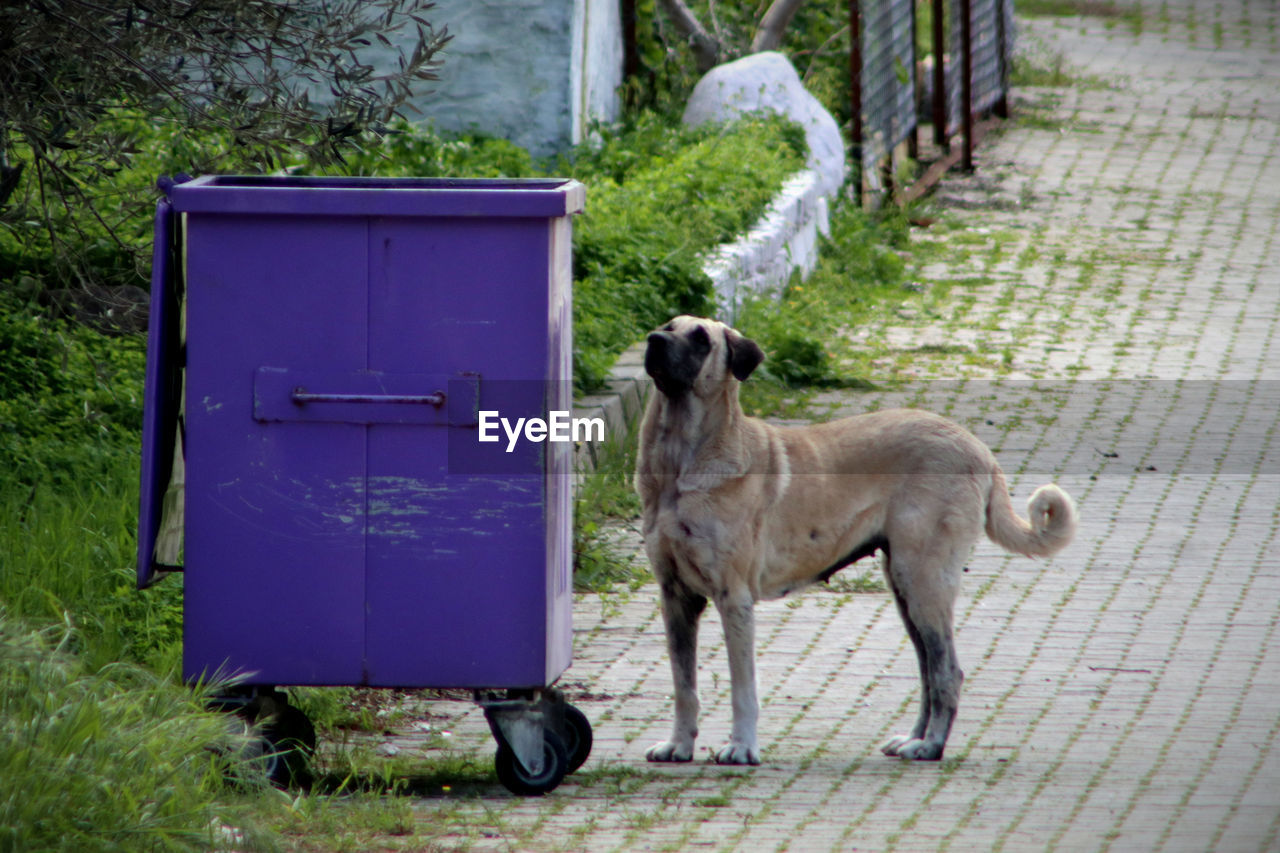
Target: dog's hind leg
927, 614
738, 617
922, 721
681, 611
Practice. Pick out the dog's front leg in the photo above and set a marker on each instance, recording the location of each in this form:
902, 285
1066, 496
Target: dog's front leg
681, 611
738, 617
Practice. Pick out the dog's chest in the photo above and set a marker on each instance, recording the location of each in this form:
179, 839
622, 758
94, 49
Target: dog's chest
699, 543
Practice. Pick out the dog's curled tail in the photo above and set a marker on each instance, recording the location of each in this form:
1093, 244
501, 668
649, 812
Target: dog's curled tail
1048, 528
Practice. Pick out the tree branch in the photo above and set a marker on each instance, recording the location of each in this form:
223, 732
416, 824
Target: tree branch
706, 47
773, 26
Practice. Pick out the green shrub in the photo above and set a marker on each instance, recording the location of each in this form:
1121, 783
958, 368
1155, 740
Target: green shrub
407, 151
800, 329
639, 246
68, 551
70, 398
658, 196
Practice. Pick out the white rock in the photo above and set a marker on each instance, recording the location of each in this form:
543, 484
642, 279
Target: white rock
768, 81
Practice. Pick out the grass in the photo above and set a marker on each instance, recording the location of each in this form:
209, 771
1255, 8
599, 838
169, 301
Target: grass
112, 758
343, 767
68, 553
1113, 13
863, 582
1052, 71
862, 273
604, 496
355, 822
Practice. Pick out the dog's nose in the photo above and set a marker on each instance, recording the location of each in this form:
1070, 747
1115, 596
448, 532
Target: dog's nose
657, 354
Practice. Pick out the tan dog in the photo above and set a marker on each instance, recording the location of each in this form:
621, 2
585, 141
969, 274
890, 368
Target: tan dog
737, 511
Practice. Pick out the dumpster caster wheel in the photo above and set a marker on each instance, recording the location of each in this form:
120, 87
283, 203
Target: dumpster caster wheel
280, 750
290, 741
516, 779
577, 737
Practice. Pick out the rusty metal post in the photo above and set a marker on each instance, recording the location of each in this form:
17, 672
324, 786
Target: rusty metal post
855, 88
966, 82
940, 137
913, 141
1001, 107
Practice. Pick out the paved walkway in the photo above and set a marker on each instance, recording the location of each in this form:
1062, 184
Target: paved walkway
1113, 324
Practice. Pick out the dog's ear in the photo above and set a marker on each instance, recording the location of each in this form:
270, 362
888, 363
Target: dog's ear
744, 356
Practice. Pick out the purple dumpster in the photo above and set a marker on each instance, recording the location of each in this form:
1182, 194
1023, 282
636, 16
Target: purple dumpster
319, 355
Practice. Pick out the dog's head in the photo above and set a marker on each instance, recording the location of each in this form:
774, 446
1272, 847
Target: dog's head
692, 353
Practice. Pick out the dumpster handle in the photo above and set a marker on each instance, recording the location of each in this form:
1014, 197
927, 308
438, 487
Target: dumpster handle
301, 396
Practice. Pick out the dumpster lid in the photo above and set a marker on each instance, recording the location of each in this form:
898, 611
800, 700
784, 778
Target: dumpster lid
362, 196
163, 394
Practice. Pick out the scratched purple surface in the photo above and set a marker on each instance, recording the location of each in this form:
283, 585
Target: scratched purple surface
340, 548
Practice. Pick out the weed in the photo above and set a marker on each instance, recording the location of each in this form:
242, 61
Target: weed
345, 767
353, 822
68, 552
604, 496
801, 329
1109, 11
1050, 70
353, 709
616, 780
714, 802
638, 248
867, 582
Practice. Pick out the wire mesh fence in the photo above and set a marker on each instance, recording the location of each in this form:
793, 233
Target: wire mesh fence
885, 112
942, 62
989, 40
971, 43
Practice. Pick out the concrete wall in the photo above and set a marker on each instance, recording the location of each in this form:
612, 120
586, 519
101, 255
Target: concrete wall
532, 71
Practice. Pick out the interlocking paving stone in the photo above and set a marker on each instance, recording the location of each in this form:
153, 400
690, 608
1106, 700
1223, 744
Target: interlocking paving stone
1122, 695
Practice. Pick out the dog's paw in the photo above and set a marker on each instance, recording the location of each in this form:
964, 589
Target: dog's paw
669, 750
738, 753
893, 744
904, 746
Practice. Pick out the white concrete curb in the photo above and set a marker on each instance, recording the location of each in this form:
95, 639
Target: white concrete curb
784, 239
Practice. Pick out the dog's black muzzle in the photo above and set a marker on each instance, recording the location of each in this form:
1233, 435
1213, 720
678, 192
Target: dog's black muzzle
674, 361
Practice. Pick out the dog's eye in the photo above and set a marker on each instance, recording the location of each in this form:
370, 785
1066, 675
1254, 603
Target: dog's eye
670, 327
700, 339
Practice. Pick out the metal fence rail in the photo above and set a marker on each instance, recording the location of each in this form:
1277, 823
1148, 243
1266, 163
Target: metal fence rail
972, 42
885, 109
986, 52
